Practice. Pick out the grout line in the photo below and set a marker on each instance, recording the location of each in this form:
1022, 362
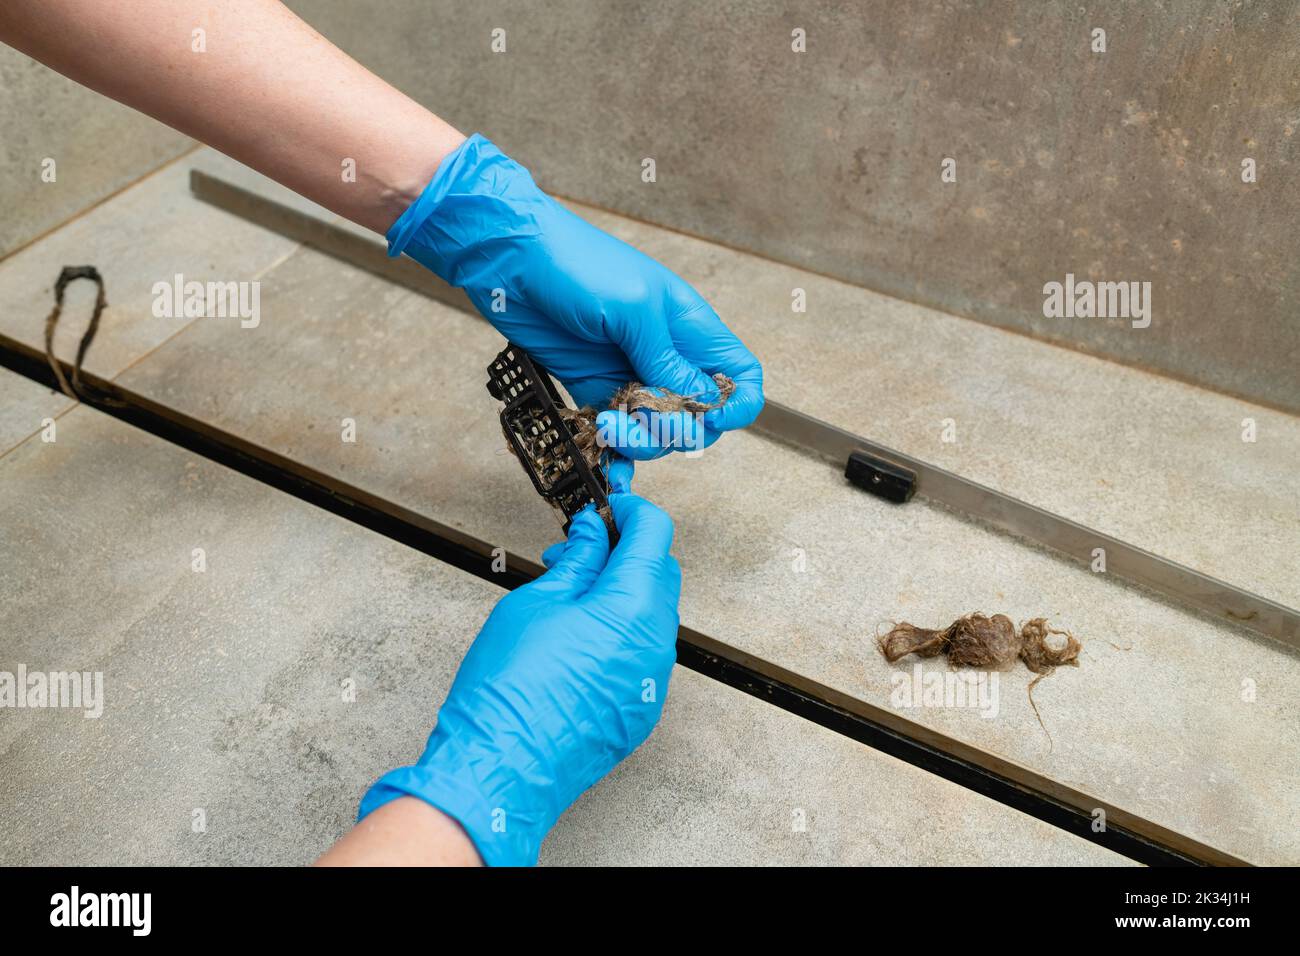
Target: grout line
275, 264
81, 213
259, 274
73, 403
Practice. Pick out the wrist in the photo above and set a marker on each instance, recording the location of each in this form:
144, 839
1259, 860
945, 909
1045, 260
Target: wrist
502, 814
401, 183
478, 196
405, 832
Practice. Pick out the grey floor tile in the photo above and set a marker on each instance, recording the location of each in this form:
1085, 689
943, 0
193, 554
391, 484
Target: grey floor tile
25, 407
147, 235
1159, 719
225, 737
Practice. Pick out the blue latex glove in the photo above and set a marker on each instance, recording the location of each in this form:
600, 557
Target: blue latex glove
594, 311
567, 678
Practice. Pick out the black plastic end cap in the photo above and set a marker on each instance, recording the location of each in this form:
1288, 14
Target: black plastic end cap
882, 478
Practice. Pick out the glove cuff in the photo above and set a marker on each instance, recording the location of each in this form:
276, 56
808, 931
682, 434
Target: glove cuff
451, 170
500, 838
478, 196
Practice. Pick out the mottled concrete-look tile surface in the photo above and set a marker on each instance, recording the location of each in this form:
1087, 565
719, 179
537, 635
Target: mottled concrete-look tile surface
96, 146
24, 408
765, 787
224, 712
1156, 720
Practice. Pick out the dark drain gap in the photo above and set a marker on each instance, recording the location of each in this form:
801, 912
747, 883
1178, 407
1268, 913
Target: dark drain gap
475, 558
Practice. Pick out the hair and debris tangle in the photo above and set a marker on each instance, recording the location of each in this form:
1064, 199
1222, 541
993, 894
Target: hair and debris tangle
539, 439
634, 396
988, 642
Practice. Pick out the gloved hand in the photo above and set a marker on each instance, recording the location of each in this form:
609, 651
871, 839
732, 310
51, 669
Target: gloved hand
594, 311
567, 678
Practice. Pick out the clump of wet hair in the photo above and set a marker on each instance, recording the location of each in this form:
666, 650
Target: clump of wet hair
988, 642
634, 396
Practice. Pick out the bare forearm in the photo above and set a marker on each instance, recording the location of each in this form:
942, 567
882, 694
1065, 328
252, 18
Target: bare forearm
406, 832
258, 84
